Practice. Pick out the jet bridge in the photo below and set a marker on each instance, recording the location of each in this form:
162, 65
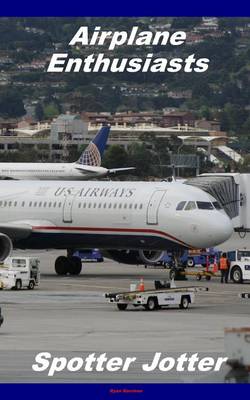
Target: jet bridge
232, 191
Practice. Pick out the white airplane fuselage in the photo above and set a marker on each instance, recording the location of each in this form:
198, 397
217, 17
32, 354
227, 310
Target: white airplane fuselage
111, 215
50, 171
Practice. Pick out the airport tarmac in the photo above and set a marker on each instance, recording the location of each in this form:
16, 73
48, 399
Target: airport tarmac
69, 316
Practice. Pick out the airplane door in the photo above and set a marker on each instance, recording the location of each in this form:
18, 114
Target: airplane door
153, 207
67, 209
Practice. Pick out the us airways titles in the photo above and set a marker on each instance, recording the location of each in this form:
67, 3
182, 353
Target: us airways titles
95, 192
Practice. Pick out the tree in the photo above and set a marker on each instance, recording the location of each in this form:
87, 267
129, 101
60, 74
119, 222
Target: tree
115, 156
11, 104
39, 112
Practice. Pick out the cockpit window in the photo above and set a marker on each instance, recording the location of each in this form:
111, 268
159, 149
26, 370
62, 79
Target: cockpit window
181, 205
205, 205
217, 205
190, 206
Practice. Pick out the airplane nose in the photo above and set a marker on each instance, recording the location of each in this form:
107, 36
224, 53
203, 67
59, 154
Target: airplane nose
220, 230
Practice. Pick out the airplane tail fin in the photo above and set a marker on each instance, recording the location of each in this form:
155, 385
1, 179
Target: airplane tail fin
92, 155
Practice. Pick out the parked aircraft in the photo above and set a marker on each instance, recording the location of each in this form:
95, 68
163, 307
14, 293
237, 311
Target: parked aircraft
87, 167
134, 221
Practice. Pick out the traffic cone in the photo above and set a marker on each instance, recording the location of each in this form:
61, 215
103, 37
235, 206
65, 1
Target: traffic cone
141, 285
215, 268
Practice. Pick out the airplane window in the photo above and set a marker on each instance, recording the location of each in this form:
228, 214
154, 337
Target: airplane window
89, 205
35, 204
204, 205
100, 204
120, 205
59, 205
1, 203
190, 206
130, 205
23, 203
15, 203
217, 205
5, 203
10, 203
55, 204
180, 205
125, 205
135, 206
79, 205
94, 205
30, 204
40, 204
140, 206
45, 204
110, 205
50, 204
115, 205
104, 205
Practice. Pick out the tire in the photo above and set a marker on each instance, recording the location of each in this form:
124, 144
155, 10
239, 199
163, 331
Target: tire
208, 277
75, 265
152, 304
100, 259
62, 265
122, 306
190, 262
198, 277
236, 275
31, 285
18, 285
184, 302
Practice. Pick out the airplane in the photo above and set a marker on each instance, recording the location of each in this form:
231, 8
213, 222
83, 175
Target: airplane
133, 221
87, 167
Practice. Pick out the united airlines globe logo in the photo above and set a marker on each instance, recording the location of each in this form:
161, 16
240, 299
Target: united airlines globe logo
91, 156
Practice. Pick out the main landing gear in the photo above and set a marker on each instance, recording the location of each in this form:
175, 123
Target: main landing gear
68, 265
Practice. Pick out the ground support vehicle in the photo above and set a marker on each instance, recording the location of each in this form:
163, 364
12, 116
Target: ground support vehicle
239, 265
20, 272
93, 255
155, 299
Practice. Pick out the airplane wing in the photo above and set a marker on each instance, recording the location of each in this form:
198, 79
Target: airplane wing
120, 170
88, 169
18, 230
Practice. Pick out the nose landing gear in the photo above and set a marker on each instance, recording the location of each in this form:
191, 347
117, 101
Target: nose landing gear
177, 268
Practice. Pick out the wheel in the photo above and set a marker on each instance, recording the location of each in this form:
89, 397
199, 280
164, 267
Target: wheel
75, 265
31, 285
172, 274
190, 262
18, 285
208, 277
184, 302
100, 259
122, 306
152, 304
236, 275
198, 277
62, 265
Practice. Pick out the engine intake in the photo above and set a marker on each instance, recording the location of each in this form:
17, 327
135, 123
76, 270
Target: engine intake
6, 246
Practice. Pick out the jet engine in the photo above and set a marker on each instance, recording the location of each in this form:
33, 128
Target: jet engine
136, 256
6, 246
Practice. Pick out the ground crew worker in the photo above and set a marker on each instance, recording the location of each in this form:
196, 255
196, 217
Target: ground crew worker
224, 265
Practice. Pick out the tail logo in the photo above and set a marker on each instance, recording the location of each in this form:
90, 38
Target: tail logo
91, 156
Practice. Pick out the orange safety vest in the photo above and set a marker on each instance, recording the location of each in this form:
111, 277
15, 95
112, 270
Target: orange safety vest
223, 263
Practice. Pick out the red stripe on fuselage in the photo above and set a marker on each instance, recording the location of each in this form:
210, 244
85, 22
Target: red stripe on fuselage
90, 229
